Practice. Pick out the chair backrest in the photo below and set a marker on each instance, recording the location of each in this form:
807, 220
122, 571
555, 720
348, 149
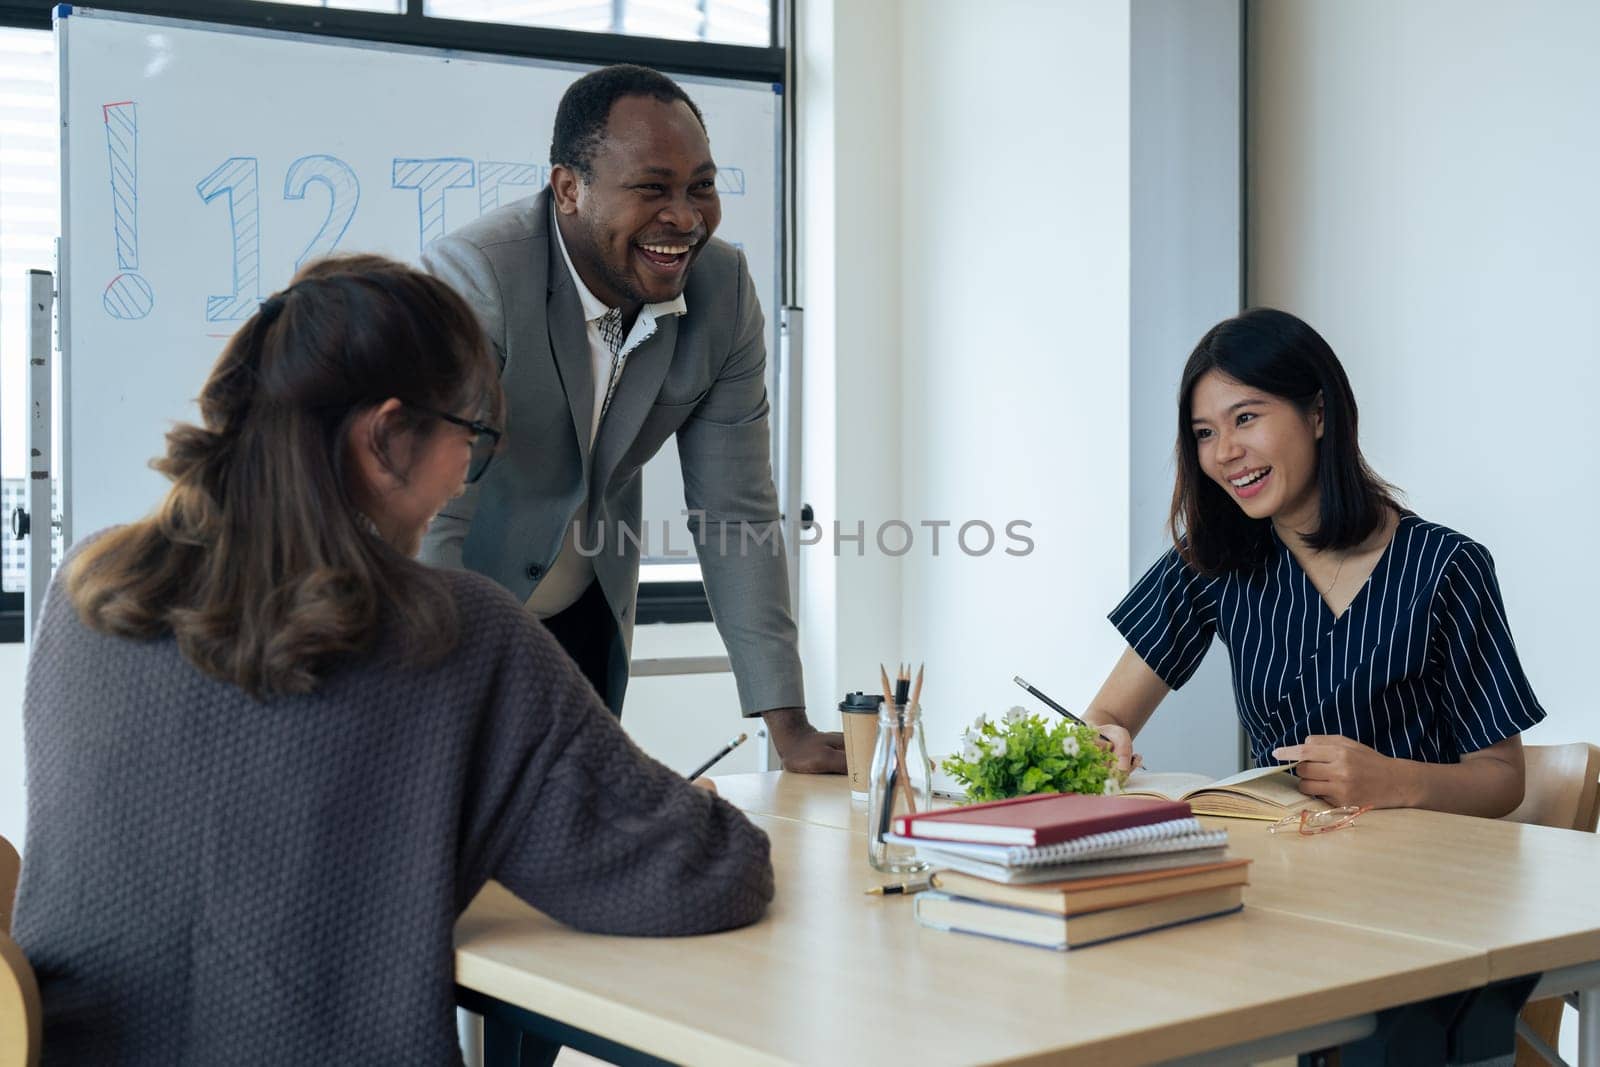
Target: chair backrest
10, 868
21, 1016
1563, 787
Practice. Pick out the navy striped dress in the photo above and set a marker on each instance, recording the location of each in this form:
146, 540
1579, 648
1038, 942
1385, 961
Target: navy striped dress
1420, 666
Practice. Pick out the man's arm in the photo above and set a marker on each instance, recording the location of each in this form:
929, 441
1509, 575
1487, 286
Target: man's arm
725, 449
465, 269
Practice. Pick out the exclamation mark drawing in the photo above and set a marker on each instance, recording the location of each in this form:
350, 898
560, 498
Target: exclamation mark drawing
127, 296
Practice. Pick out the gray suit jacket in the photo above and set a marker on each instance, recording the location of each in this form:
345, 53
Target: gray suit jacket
701, 376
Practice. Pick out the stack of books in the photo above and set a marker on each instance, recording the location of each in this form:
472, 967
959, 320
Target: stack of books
1064, 871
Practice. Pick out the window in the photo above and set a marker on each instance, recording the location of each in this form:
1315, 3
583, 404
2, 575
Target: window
385, 7
746, 22
29, 212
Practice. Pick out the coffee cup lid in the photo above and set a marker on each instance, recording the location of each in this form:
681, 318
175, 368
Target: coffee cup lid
860, 703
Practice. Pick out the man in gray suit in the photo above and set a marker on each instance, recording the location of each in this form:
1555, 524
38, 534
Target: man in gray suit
619, 321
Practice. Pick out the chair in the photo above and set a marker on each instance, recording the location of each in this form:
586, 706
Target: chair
10, 867
21, 1014
1563, 791
1563, 787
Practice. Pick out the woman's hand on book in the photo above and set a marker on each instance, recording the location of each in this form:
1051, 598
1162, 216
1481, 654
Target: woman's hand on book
1344, 772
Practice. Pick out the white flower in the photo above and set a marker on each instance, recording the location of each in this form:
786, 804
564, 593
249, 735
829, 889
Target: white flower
1069, 744
971, 752
999, 747
1016, 713
1113, 787
979, 723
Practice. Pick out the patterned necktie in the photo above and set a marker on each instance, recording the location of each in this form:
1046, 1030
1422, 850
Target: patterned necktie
611, 330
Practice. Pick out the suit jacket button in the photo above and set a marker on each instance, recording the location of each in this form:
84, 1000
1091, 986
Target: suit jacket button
534, 570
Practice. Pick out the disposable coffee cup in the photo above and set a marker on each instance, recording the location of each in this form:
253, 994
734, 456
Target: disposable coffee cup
859, 712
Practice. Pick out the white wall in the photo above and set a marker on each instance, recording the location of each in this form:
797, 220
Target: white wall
1186, 226
1013, 319
1423, 186
849, 85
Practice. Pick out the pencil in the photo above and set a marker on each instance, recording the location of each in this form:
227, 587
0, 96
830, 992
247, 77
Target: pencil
708, 764
886, 808
1057, 707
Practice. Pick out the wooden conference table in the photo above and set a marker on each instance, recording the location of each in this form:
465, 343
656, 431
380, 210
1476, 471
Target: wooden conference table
1403, 908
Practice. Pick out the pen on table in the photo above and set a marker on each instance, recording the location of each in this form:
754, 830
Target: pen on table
1057, 707
898, 888
708, 764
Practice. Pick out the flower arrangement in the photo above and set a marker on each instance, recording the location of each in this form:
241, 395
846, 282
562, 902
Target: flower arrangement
1023, 754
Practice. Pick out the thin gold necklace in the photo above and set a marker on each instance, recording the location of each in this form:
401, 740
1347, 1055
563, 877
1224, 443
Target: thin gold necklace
1337, 571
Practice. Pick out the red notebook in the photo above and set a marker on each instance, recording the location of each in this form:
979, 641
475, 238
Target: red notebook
1040, 820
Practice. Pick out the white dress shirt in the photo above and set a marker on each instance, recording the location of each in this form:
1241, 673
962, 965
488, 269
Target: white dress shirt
572, 571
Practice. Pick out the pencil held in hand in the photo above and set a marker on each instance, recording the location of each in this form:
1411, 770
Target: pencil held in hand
708, 764
1063, 712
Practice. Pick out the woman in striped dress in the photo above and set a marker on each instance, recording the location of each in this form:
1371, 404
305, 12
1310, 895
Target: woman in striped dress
1366, 642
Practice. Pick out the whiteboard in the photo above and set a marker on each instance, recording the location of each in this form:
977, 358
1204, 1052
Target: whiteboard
202, 164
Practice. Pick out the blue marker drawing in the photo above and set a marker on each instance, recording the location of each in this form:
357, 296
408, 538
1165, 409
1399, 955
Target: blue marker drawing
730, 181
430, 178
492, 175
344, 193
238, 178
127, 296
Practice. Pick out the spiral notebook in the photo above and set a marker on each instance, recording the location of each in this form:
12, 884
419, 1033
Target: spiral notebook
1093, 867
1175, 835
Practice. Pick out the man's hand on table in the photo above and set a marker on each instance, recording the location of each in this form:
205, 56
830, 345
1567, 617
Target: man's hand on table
802, 747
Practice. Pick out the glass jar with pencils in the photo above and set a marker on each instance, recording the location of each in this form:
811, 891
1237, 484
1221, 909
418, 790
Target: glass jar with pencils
901, 782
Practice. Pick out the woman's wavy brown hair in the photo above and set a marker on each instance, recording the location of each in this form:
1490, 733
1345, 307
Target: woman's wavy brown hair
259, 561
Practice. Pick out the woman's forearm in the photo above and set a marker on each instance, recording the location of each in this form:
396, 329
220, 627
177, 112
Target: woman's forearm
1103, 717
1488, 787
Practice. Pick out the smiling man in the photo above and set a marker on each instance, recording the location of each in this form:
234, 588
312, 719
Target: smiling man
621, 321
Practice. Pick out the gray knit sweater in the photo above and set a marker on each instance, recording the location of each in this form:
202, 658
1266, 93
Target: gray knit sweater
212, 880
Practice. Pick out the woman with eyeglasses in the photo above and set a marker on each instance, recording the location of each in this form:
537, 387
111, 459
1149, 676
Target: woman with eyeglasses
1366, 642
271, 758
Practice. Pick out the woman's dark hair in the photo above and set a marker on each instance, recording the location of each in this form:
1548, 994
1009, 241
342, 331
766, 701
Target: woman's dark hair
1277, 353
258, 560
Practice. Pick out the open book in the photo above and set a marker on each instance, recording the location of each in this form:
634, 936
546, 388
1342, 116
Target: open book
1261, 793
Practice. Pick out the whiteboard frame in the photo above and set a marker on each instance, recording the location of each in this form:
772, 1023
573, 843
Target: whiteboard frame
781, 361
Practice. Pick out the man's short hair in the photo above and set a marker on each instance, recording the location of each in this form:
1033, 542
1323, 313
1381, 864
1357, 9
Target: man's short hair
586, 105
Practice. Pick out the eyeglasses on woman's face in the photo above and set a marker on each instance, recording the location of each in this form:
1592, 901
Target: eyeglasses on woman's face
485, 440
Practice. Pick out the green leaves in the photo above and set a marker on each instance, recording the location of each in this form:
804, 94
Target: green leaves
1023, 754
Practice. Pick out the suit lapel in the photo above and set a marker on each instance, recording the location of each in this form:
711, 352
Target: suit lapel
569, 340
637, 390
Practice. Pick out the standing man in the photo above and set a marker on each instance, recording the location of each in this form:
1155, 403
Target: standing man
619, 321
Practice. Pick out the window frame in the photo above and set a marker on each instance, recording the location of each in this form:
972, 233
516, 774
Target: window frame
663, 601
431, 31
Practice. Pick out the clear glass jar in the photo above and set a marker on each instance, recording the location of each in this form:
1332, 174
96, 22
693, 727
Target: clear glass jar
901, 784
